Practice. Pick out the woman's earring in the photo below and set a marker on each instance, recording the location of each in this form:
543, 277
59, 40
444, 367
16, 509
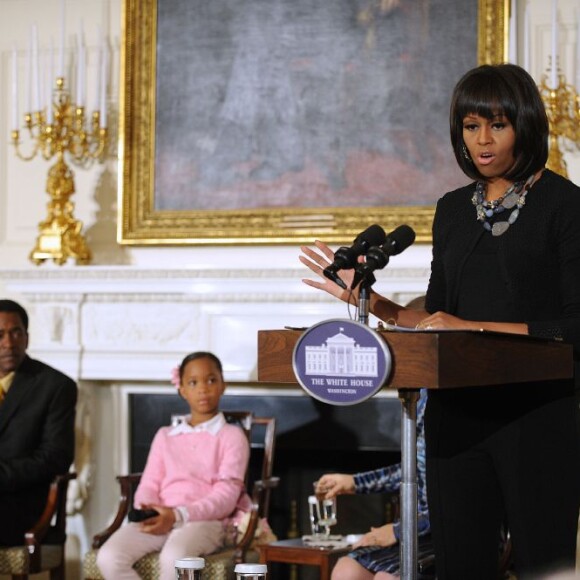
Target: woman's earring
466, 153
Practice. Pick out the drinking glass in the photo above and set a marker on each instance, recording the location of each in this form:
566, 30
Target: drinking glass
251, 571
189, 568
322, 515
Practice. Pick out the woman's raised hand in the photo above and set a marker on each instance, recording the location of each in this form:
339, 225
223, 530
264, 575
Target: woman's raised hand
333, 484
317, 261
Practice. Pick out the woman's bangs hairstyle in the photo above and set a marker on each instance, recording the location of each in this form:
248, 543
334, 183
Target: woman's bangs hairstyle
507, 90
197, 355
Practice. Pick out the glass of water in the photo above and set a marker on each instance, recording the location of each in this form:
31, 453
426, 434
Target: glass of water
189, 568
322, 515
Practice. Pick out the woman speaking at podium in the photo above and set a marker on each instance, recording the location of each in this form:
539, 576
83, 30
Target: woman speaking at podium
506, 258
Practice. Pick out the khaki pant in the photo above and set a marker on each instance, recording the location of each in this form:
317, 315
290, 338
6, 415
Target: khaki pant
129, 543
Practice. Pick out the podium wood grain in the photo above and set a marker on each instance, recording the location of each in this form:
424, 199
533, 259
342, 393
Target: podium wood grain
438, 360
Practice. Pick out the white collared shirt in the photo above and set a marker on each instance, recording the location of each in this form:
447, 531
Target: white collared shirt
212, 426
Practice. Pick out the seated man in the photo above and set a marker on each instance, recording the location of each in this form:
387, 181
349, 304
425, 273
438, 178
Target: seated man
37, 415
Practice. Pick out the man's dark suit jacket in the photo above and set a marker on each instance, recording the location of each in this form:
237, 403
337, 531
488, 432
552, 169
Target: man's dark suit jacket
37, 421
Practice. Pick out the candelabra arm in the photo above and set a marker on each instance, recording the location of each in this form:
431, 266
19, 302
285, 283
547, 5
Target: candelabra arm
16, 143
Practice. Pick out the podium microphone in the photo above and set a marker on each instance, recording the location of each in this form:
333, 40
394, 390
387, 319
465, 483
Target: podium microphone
345, 258
378, 257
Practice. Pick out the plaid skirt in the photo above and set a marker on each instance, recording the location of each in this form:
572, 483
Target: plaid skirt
380, 559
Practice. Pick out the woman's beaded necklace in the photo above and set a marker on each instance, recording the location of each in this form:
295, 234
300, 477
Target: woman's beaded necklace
514, 198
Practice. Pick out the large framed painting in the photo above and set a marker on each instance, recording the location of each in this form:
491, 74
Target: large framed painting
278, 121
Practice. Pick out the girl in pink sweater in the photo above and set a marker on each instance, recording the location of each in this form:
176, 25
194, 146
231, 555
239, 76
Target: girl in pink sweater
194, 479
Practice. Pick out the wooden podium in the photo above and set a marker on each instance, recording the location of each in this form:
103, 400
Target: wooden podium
433, 360
438, 360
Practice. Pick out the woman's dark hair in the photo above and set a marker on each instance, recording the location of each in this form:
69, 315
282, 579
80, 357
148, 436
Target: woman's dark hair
505, 89
197, 355
11, 306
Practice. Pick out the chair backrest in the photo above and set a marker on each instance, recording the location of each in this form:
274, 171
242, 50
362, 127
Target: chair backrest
242, 419
269, 439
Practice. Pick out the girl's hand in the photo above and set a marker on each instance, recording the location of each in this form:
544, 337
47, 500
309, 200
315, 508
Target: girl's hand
161, 524
317, 261
333, 484
383, 536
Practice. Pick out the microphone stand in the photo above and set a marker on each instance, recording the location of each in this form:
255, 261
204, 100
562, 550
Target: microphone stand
408, 491
364, 298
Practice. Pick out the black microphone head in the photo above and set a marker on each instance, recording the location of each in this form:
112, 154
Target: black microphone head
373, 236
378, 257
346, 257
398, 240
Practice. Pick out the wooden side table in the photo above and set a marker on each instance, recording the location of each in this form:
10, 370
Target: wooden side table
297, 552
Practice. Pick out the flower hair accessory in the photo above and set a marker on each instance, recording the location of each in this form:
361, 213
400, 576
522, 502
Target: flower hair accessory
175, 379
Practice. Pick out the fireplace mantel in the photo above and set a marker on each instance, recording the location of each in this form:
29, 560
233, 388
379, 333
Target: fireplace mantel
115, 323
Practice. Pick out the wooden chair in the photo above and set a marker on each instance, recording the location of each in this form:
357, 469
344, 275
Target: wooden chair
220, 565
43, 549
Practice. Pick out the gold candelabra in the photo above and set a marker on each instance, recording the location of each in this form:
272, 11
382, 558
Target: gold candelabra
62, 128
563, 110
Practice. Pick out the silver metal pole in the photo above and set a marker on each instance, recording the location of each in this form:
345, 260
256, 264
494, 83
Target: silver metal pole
363, 304
408, 493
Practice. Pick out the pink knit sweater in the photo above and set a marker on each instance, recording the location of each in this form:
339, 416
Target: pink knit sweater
198, 471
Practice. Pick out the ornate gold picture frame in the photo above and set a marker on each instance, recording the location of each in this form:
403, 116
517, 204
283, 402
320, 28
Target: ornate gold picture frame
148, 219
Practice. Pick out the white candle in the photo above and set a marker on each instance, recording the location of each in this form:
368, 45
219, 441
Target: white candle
29, 78
527, 37
99, 67
103, 83
50, 80
51, 64
14, 89
60, 72
41, 78
554, 71
35, 70
80, 95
